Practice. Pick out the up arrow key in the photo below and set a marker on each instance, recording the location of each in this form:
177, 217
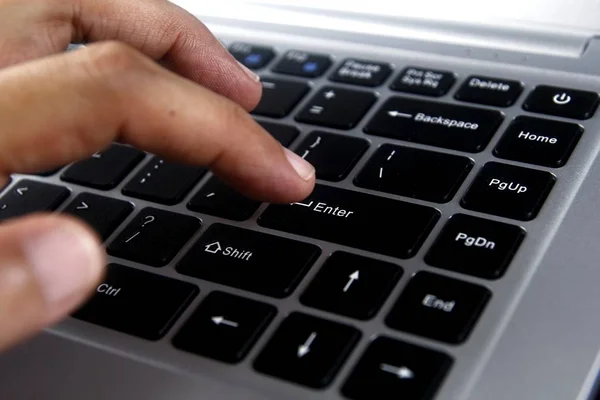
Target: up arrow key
21, 191
353, 277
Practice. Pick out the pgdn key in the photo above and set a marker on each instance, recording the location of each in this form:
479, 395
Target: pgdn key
509, 191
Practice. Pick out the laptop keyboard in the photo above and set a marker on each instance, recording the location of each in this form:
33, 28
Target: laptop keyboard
425, 158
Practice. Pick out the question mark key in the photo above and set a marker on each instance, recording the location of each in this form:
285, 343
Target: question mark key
154, 237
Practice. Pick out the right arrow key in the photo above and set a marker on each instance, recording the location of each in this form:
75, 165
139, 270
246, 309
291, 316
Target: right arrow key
390, 367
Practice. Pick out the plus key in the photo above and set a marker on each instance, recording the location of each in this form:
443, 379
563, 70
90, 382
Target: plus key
337, 108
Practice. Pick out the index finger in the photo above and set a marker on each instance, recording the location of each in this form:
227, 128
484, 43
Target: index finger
158, 28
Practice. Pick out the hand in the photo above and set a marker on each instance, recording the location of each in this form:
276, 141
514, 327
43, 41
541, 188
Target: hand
156, 79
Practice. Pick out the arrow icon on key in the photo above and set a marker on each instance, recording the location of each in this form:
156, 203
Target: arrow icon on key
304, 348
396, 114
400, 372
352, 278
83, 206
21, 191
220, 320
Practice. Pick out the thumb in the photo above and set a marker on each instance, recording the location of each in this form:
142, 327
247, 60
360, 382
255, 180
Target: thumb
48, 266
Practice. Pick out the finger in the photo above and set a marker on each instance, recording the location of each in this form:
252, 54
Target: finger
48, 266
162, 30
66, 107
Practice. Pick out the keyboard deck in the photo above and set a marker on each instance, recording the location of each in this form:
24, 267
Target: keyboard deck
436, 190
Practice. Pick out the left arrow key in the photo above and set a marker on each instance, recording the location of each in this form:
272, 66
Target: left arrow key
224, 327
29, 196
103, 214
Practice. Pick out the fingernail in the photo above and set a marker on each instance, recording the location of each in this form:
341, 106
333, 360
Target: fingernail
302, 167
250, 74
65, 261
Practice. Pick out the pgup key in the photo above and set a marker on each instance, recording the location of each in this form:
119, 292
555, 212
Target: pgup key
509, 191
512, 186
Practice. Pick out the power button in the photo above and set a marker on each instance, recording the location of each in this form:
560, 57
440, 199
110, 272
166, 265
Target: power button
562, 102
561, 99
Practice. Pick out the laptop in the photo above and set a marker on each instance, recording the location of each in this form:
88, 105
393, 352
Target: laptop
449, 249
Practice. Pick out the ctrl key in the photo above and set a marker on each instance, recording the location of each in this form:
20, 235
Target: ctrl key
137, 303
391, 368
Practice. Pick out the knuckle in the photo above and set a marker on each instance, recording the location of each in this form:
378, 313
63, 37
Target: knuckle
113, 59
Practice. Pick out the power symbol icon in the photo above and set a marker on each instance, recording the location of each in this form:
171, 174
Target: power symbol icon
561, 99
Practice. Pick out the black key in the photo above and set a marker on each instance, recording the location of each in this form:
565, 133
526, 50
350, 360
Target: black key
509, 191
27, 197
489, 91
416, 173
154, 237
285, 134
337, 108
351, 285
356, 220
539, 141
439, 308
475, 246
249, 260
224, 327
333, 156
253, 57
279, 97
103, 214
424, 81
562, 102
137, 303
307, 350
219, 199
443, 125
361, 72
163, 182
106, 169
390, 367
304, 64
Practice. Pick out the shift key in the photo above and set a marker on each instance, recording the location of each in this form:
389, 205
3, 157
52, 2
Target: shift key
380, 225
136, 302
249, 260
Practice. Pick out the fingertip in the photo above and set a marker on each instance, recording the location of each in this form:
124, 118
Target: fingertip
303, 168
249, 90
67, 260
